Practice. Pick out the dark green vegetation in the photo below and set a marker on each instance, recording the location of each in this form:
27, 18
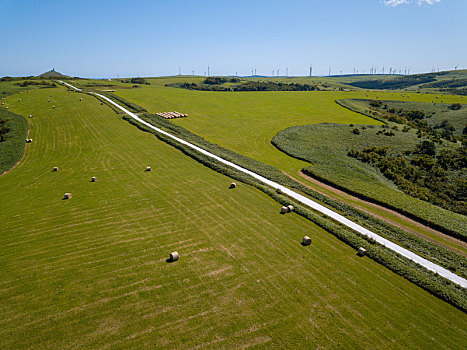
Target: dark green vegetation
436, 120
440, 179
13, 132
136, 81
326, 146
214, 84
90, 272
437, 177
448, 292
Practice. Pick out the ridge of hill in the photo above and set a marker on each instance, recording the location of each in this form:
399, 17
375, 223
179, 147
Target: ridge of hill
52, 74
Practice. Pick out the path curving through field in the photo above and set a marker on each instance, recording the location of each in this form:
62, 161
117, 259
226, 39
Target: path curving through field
302, 199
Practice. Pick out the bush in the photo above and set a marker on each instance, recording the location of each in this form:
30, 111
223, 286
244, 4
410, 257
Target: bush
13, 132
455, 106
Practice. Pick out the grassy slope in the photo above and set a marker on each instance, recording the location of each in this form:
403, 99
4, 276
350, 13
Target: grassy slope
12, 149
326, 147
435, 112
91, 272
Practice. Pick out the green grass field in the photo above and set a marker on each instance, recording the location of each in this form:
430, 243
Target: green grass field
90, 272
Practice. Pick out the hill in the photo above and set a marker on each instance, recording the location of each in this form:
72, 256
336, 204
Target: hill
52, 74
454, 82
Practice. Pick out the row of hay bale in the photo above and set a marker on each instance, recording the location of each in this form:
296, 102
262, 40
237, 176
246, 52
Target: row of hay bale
171, 115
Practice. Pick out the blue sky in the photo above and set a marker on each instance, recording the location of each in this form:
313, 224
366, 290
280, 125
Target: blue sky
151, 38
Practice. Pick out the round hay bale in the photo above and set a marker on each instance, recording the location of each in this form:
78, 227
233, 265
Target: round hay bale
55, 168
30, 116
306, 240
148, 168
174, 256
284, 210
361, 251
233, 185
67, 196
290, 207
80, 99
53, 106
93, 179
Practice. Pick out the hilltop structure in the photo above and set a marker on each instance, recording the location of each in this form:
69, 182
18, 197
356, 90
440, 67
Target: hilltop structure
52, 74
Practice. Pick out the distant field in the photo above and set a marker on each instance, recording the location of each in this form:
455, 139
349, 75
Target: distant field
90, 272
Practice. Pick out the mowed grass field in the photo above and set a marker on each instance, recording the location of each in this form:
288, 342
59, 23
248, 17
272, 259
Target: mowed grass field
90, 272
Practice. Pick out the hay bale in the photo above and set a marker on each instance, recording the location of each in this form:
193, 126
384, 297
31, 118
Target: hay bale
148, 168
284, 210
53, 106
28, 140
30, 116
290, 208
67, 196
174, 256
93, 179
361, 251
55, 168
233, 185
80, 99
19, 99
306, 240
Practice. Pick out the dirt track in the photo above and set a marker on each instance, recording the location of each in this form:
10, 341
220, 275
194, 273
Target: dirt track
394, 213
